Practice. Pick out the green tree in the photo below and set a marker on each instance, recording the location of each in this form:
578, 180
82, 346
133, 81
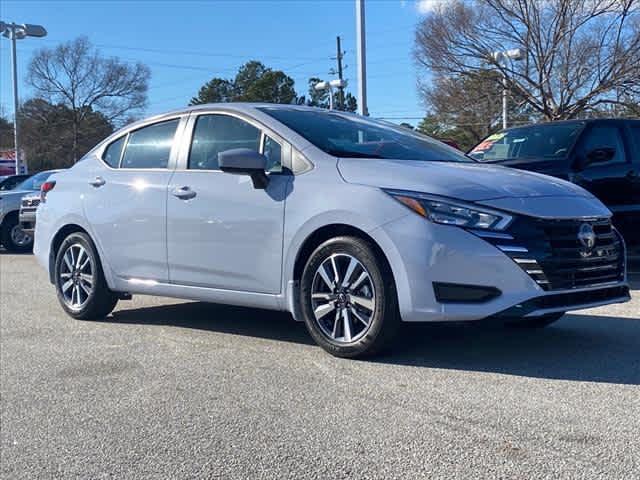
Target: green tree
47, 136
75, 74
254, 82
6, 133
466, 109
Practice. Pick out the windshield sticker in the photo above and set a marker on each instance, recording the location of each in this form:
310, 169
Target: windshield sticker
487, 143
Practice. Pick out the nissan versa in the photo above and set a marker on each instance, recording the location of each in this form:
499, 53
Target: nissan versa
350, 224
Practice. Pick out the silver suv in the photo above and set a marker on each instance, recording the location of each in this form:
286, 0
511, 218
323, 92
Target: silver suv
350, 224
12, 237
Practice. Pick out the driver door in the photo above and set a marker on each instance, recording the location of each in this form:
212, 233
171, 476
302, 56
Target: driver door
222, 232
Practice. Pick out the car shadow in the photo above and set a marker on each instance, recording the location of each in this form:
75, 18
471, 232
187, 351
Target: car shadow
579, 347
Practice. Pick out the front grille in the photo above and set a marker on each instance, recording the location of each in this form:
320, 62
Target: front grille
551, 252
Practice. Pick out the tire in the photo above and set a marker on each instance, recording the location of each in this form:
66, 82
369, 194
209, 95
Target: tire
371, 321
536, 322
88, 297
11, 233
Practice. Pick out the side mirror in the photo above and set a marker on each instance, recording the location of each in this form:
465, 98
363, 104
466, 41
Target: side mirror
599, 155
244, 161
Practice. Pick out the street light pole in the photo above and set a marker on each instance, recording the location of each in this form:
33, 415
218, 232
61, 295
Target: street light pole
504, 102
14, 67
362, 59
515, 54
14, 32
338, 83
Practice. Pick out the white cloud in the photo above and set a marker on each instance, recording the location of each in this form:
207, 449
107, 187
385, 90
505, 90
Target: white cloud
428, 6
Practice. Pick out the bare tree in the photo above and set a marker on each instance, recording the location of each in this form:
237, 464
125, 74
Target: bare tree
578, 54
77, 76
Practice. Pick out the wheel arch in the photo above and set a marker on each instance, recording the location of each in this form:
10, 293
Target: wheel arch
311, 242
56, 242
326, 232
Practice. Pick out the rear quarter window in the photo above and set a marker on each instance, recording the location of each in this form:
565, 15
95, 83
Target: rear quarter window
112, 153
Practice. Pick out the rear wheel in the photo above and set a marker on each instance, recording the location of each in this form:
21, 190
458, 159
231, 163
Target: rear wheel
13, 237
348, 298
536, 322
80, 284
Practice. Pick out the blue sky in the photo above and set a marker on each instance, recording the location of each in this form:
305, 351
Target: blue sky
185, 43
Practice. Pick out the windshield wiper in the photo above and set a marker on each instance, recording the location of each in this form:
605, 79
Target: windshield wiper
351, 154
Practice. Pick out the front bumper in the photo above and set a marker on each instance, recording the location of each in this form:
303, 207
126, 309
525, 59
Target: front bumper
568, 300
28, 220
421, 253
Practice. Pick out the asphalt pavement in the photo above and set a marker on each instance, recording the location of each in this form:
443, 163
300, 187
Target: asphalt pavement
172, 389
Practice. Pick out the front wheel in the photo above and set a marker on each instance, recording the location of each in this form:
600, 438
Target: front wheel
348, 298
80, 284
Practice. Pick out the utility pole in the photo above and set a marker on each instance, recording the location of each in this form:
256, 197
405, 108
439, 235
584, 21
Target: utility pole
339, 56
362, 59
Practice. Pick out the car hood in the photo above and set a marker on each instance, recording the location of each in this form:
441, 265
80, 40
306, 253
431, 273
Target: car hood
464, 181
558, 167
15, 193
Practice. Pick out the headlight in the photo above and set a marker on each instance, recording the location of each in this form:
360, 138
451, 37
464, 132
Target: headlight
451, 212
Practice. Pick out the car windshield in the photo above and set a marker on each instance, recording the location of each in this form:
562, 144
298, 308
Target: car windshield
350, 136
34, 183
9, 183
536, 142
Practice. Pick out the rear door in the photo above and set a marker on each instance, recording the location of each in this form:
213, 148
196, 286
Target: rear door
126, 200
612, 181
629, 214
222, 232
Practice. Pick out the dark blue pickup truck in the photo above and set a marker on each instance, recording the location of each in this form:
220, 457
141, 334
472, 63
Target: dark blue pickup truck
600, 155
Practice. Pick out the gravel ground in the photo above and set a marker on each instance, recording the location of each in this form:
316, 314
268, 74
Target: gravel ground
170, 389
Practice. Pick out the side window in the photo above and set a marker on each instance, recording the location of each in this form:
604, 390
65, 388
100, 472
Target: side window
216, 133
601, 137
273, 151
150, 147
112, 153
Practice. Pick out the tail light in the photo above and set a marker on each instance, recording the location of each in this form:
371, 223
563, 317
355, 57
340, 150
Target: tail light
45, 188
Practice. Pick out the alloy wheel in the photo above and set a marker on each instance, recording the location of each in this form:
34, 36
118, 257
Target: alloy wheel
76, 276
343, 298
19, 237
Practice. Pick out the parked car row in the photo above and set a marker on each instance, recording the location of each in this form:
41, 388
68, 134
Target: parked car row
12, 236
350, 224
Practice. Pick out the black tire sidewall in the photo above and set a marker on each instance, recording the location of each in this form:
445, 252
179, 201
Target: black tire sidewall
382, 282
100, 297
10, 221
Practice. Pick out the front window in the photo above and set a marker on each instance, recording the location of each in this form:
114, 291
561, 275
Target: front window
216, 133
351, 136
536, 142
34, 183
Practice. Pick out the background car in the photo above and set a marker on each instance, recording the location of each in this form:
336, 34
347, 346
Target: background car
12, 237
28, 207
350, 224
600, 155
12, 181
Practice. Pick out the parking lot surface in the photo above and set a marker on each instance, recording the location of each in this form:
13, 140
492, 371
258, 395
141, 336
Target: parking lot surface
172, 389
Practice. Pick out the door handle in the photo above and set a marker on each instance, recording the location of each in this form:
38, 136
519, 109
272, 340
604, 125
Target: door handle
97, 182
183, 193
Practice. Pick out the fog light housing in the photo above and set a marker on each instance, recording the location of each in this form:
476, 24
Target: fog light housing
460, 293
